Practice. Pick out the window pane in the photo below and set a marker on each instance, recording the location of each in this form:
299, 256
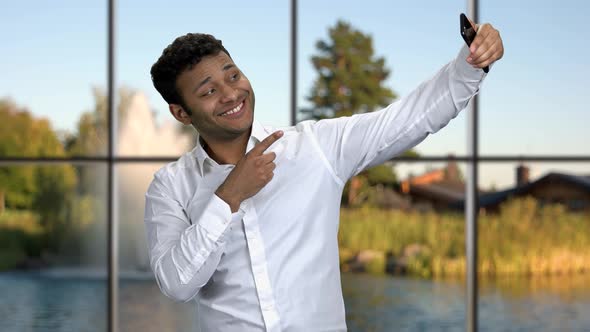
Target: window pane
534, 101
53, 248
53, 67
142, 306
534, 246
415, 39
401, 242
402, 248
256, 35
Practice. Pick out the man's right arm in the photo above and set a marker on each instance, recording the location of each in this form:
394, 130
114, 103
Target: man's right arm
185, 246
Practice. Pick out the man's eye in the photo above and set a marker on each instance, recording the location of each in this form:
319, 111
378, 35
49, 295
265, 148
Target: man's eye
209, 92
235, 76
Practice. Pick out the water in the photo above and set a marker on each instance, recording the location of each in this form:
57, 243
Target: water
517, 304
46, 302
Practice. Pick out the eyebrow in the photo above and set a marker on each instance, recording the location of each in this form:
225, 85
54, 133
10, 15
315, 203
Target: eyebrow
203, 82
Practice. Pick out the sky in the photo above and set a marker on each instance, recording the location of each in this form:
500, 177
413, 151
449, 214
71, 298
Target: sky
532, 102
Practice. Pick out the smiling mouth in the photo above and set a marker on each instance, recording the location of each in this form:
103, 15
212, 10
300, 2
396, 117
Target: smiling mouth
234, 110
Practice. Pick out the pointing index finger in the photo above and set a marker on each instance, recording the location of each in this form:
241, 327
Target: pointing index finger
266, 143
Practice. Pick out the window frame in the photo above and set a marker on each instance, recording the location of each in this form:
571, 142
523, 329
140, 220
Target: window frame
472, 160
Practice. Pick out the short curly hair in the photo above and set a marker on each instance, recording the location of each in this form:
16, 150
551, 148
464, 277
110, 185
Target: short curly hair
183, 54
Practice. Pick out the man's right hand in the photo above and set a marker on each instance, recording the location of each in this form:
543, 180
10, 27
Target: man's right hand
250, 175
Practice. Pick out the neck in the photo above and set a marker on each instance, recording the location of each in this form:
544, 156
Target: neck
227, 151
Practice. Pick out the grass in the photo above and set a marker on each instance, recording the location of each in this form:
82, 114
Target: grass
522, 239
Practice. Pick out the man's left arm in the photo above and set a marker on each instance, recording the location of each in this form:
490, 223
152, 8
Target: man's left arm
352, 144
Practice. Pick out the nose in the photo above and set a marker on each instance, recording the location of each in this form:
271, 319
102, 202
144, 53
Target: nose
229, 94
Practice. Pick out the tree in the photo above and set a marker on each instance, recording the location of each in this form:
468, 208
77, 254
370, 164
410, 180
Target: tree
350, 77
21, 135
362, 187
92, 134
350, 80
46, 190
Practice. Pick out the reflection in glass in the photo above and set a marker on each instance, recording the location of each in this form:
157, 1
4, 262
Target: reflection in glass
52, 247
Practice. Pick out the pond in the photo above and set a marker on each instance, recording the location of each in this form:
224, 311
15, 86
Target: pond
32, 301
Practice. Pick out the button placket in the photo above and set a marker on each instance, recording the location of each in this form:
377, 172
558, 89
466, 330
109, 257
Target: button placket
259, 268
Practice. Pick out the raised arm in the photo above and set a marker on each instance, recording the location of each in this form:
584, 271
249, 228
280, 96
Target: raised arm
352, 144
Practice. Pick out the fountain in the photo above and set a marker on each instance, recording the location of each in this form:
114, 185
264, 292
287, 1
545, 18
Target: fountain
140, 136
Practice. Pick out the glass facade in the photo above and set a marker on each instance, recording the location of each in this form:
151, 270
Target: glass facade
69, 182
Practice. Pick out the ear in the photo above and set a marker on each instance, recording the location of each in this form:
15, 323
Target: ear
180, 114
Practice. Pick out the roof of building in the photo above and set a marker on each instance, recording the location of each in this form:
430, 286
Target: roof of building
495, 198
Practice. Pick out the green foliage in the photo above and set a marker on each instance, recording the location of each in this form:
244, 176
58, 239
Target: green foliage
376, 266
350, 77
523, 239
381, 174
421, 265
21, 236
18, 185
25, 221
11, 257
91, 138
40, 188
367, 193
85, 217
45, 190
410, 154
64, 200
23, 136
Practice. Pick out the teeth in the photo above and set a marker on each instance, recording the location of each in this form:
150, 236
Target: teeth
234, 110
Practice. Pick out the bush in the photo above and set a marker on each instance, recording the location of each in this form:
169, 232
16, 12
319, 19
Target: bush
20, 237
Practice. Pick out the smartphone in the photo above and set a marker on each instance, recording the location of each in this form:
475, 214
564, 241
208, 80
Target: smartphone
468, 34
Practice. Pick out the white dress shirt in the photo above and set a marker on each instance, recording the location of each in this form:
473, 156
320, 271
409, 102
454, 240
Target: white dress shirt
273, 265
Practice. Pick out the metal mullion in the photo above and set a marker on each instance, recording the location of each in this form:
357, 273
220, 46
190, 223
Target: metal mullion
293, 62
112, 229
491, 158
157, 159
471, 203
49, 162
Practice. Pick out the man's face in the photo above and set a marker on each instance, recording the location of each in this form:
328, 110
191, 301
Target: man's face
219, 96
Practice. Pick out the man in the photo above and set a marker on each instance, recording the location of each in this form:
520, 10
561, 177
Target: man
246, 223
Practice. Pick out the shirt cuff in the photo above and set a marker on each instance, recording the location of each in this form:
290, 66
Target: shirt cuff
465, 69
211, 213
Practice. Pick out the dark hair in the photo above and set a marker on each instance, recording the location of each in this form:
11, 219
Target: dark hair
183, 54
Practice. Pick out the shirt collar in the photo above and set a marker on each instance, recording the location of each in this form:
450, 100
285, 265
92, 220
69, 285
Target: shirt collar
257, 134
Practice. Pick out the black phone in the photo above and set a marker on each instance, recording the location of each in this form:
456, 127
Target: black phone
468, 34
